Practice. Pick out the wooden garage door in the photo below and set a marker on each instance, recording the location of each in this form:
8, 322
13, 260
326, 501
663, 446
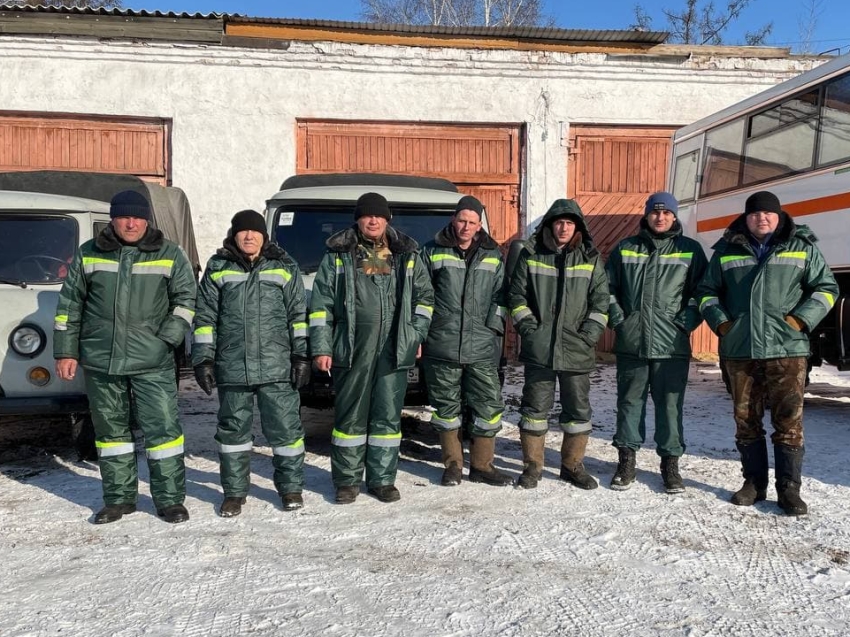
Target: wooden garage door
611, 171
482, 160
136, 147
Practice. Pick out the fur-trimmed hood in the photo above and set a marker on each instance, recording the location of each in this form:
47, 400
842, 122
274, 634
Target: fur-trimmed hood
108, 241
347, 240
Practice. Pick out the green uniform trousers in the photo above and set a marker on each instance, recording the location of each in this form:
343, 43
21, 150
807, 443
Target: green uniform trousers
666, 380
538, 397
369, 394
453, 385
279, 407
155, 406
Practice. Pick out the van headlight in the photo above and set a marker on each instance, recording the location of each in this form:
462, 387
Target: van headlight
27, 340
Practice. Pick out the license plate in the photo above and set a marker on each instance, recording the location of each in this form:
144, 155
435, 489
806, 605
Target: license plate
412, 375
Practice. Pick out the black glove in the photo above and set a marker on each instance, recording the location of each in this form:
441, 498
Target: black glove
300, 371
205, 377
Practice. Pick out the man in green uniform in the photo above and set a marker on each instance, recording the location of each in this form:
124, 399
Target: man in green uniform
250, 339
462, 350
370, 310
767, 287
127, 302
653, 277
559, 302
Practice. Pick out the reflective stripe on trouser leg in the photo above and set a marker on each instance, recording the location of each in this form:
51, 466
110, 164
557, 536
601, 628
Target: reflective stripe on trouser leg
351, 411
483, 393
388, 388
279, 405
109, 400
576, 413
668, 380
444, 393
632, 392
155, 396
538, 397
234, 437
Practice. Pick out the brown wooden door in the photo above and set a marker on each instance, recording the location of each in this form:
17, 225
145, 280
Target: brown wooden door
610, 173
482, 160
90, 144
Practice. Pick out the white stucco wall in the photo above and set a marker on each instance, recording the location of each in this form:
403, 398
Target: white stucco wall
234, 110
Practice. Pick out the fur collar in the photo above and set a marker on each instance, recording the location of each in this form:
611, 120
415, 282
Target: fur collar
346, 241
231, 252
446, 238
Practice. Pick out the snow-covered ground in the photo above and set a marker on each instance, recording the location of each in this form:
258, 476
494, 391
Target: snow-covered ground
471, 560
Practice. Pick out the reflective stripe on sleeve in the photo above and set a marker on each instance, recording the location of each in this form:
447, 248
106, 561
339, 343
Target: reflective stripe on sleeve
203, 334
600, 318
501, 311
424, 310
824, 297
60, 322
340, 268
166, 450
185, 313
708, 301
519, 313
299, 329
318, 319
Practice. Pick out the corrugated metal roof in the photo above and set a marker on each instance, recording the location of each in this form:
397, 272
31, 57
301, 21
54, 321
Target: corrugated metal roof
129, 13
523, 32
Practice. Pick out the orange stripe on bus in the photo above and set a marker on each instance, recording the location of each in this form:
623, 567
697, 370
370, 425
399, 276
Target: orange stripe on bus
798, 209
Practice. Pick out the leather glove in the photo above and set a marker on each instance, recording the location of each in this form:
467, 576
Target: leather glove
796, 323
300, 371
724, 327
205, 376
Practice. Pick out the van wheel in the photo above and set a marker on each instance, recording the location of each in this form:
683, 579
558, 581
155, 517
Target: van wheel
84, 439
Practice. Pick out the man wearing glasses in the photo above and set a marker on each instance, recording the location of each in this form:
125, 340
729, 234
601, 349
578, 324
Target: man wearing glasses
767, 287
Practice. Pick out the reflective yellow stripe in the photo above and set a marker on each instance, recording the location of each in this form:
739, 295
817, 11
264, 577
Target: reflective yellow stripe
279, 271
61, 318
204, 330
166, 263
88, 260
320, 314
678, 255
582, 266
541, 265
492, 260
632, 253
518, 309
167, 445
217, 275
445, 257
792, 255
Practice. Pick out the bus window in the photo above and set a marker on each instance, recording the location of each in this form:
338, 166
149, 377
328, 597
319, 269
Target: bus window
723, 147
796, 109
783, 152
685, 180
835, 123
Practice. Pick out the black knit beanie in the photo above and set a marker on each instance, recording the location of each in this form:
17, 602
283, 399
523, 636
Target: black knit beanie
764, 200
248, 220
372, 205
468, 202
129, 203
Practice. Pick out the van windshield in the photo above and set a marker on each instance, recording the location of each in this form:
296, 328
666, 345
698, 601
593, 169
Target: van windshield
303, 230
36, 248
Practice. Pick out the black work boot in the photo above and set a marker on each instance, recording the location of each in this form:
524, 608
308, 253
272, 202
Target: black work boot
173, 514
789, 466
231, 506
452, 447
481, 467
572, 465
754, 469
113, 513
292, 501
347, 494
385, 493
625, 474
670, 474
533, 450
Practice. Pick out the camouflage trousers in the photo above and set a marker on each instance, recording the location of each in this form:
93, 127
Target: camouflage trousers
780, 382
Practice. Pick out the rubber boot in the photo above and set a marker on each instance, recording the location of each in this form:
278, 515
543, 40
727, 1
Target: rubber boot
533, 449
481, 467
789, 466
625, 474
231, 507
113, 512
451, 442
670, 475
754, 469
572, 465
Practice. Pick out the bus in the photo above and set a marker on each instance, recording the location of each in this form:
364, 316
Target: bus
794, 140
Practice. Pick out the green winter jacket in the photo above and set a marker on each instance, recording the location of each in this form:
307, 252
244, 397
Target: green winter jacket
332, 308
559, 300
653, 280
251, 317
469, 307
124, 308
793, 279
